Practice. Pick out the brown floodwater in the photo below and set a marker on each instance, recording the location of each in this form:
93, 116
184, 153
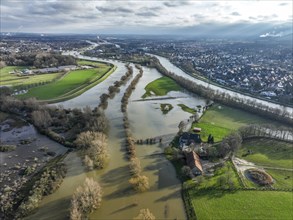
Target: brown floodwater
119, 200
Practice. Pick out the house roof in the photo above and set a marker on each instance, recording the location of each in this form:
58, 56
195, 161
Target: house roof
192, 160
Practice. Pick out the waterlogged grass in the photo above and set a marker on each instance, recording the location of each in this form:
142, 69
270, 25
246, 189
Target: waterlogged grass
13, 80
221, 120
73, 81
161, 86
165, 108
187, 109
216, 204
267, 152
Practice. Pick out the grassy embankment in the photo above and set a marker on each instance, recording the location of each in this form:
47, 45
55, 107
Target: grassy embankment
221, 120
72, 84
13, 80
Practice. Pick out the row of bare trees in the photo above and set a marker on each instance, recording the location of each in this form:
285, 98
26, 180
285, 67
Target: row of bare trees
139, 182
94, 150
130, 88
247, 104
267, 130
115, 88
49, 181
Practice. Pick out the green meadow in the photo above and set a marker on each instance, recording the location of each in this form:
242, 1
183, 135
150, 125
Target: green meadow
267, 152
161, 86
220, 120
217, 204
13, 80
72, 83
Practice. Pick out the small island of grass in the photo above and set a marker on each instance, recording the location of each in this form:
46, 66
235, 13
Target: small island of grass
160, 87
165, 108
187, 109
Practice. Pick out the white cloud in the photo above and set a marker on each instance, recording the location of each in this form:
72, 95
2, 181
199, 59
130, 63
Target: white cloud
92, 16
273, 34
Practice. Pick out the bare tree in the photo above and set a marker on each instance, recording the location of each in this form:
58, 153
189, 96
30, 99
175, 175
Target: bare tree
41, 118
85, 199
88, 162
145, 214
140, 183
135, 166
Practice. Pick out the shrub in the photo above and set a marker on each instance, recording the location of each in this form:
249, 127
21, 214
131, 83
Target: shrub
145, 214
41, 118
135, 167
139, 183
88, 162
6, 148
85, 199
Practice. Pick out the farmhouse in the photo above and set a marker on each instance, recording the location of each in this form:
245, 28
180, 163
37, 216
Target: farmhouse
193, 161
56, 69
189, 138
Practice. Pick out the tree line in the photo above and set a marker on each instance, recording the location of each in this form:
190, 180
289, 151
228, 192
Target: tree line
267, 130
38, 60
139, 182
93, 146
249, 105
16, 205
113, 89
84, 129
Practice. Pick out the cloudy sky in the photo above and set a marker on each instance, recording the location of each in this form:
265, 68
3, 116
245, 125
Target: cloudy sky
270, 17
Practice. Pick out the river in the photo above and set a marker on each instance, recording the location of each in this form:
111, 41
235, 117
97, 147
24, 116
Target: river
147, 120
171, 67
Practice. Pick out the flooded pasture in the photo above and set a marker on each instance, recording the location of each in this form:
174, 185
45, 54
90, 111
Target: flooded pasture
146, 120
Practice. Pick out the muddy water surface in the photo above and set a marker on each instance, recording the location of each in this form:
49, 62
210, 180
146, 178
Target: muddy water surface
119, 200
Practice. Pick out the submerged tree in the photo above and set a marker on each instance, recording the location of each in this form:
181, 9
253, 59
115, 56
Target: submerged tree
85, 199
140, 183
145, 214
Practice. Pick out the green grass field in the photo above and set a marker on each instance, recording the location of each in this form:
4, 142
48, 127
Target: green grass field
13, 80
161, 87
217, 131
74, 80
267, 152
187, 109
221, 120
283, 178
226, 171
214, 204
90, 63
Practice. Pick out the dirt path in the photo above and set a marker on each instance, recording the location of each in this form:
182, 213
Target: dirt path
242, 165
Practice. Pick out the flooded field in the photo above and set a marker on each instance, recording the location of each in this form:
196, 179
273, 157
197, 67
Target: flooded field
147, 120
